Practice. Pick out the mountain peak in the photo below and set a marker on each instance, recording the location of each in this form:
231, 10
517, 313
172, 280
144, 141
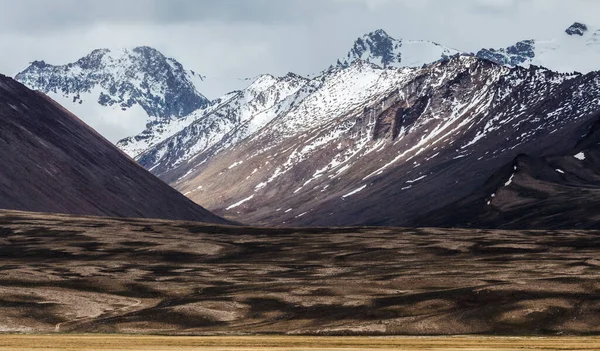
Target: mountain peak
292, 75
139, 85
379, 33
381, 49
377, 45
577, 28
262, 82
147, 50
39, 64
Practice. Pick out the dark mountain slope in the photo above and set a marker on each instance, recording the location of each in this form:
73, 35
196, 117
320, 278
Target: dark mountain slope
53, 162
533, 192
423, 139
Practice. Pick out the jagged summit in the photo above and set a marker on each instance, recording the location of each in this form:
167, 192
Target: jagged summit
379, 48
377, 44
513, 55
119, 91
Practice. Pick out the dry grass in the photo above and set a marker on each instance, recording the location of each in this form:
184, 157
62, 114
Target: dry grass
277, 343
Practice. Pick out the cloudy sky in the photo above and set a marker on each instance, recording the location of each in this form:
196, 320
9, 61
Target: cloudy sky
242, 38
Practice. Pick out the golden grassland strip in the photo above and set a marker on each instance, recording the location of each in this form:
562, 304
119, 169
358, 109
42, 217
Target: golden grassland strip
97, 342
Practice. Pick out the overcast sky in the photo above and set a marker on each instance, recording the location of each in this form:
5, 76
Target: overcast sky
242, 38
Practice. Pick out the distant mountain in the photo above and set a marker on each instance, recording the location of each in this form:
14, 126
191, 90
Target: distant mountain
575, 49
375, 146
119, 92
381, 49
53, 162
229, 119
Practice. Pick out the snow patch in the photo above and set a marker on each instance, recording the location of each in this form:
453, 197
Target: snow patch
240, 203
510, 180
235, 164
354, 192
416, 180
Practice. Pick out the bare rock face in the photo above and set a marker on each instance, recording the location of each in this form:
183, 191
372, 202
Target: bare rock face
380, 48
577, 29
53, 162
514, 55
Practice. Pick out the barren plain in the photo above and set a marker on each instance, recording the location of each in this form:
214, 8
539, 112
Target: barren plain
66, 274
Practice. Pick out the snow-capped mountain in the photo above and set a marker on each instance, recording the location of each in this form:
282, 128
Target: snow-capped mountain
376, 48
376, 138
119, 92
575, 49
382, 146
226, 121
369, 141
381, 49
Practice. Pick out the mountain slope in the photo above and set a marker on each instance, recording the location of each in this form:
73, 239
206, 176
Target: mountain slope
381, 49
224, 123
575, 49
384, 146
53, 162
119, 92
534, 193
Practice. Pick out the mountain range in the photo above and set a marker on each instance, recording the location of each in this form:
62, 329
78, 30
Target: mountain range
392, 132
126, 92
577, 49
397, 145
